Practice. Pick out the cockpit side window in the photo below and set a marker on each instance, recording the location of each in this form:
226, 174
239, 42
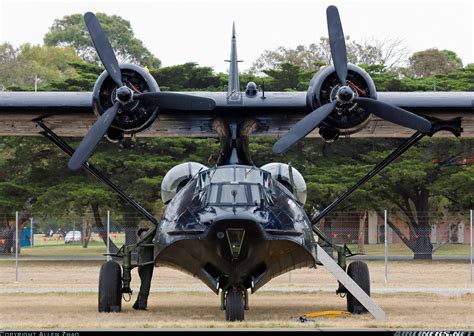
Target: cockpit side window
213, 191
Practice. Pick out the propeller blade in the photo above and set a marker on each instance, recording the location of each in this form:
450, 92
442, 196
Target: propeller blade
92, 138
177, 101
337, 43
395, 114
103, 48
303, 127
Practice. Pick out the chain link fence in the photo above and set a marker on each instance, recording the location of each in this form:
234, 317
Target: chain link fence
376, 233
71, 236
371, 235
428, 235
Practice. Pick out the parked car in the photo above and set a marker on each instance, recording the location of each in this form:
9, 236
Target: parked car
72, 236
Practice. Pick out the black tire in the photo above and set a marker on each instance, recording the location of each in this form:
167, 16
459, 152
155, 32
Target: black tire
359, 272
110, 287
234, 305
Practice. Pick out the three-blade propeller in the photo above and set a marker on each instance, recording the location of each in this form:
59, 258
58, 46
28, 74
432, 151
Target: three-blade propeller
165, 100
339, 56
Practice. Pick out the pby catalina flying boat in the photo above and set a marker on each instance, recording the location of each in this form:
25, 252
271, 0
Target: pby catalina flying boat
234, 226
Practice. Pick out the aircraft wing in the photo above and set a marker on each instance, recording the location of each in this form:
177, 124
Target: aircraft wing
71, 114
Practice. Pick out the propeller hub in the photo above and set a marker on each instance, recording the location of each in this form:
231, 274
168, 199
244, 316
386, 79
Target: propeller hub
345, 95
124, 95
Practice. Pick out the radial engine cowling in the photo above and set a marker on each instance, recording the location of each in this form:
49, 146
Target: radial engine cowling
289, 177
177, 177
346, 118
133, 117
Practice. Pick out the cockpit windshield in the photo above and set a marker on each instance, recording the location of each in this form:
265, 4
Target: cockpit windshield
234, 175
234, 194
233, 186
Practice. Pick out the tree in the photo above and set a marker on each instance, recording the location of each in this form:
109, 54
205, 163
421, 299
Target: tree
83, 80
188, 76
412, 183
457, 188
433, 61
388, 52
309, 58
288, 77
71, 30
23, 66
9, 65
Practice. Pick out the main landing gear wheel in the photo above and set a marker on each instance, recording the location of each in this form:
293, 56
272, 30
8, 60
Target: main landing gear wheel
359, 272
234, 305
110, 287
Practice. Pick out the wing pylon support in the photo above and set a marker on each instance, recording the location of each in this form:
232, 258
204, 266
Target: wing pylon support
66, 148
453, 126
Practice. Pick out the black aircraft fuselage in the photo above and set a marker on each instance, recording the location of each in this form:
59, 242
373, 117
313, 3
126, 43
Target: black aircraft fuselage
234, 226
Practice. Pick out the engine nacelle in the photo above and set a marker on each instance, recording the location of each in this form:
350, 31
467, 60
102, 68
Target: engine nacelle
294, 182
134, 117
346, 118
177, 177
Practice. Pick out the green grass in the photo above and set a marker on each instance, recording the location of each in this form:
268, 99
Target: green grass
51, 246
401, 249
61, 249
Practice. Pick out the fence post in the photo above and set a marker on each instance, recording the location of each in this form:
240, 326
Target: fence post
16, 246
108, 235
472, 266
386, 245
31, 232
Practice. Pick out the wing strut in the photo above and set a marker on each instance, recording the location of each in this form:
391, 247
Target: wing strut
453, 126
64, 146
384, 163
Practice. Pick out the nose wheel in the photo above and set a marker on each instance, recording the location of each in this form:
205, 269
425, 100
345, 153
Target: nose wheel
234, 305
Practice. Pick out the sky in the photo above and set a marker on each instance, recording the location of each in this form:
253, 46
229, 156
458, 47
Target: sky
178, 31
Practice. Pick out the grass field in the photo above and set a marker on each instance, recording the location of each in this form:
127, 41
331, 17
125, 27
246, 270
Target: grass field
200, 308
402, 249
95, 248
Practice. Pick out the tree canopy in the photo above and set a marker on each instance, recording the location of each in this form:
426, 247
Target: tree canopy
434, 62
21, 67
71, 30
